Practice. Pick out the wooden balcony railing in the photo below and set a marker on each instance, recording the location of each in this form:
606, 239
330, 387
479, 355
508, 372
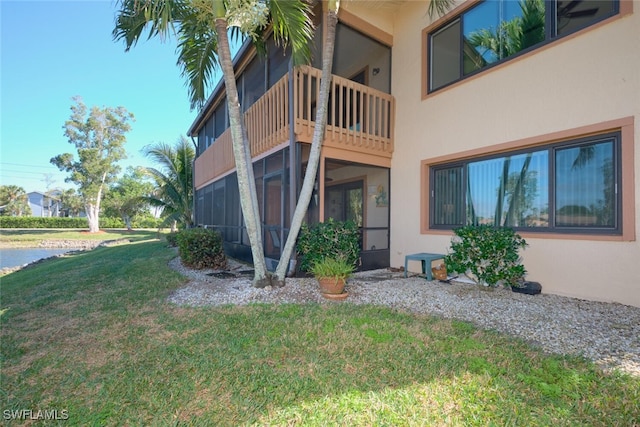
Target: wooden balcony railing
360, 119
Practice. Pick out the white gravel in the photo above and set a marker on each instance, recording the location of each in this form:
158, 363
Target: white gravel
606, 333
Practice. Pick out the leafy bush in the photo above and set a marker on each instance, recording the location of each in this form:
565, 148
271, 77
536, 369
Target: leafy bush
172, 239
146, 222
329, 239
110, 222
491, 254
201, 248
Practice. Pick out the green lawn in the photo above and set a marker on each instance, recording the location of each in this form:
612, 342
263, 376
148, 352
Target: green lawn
91, 334
30, 238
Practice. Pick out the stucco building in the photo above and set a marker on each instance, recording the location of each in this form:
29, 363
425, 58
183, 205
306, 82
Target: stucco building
521, 114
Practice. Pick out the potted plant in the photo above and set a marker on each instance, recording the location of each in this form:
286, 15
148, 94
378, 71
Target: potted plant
332, 274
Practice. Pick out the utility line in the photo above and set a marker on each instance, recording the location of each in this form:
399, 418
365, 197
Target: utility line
29, 166
17, 171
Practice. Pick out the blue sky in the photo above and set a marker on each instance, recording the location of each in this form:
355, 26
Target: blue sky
54, 50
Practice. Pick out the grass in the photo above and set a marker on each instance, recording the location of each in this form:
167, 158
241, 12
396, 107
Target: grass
30, 238
91, 334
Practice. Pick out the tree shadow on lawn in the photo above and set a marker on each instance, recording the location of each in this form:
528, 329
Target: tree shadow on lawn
365, 365
106, 346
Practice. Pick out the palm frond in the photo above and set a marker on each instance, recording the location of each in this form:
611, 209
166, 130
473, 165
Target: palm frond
197, 47
439, 7
160, 16
292, 25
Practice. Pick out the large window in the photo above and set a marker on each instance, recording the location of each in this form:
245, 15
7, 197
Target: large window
571, 186
494, 31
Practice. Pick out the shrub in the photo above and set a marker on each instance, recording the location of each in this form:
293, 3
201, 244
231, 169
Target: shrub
201, 248
147, 221
491, 254
172, 239
111, 222
329, 239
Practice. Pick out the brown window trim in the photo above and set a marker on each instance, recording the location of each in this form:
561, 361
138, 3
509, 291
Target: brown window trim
626, 128
625, 8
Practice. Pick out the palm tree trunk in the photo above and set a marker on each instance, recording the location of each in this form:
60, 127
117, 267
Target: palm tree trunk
318, 136
497, 220
516, 208
242, 155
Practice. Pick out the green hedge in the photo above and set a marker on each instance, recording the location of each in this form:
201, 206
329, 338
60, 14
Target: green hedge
55, 222
201, 248
37, 222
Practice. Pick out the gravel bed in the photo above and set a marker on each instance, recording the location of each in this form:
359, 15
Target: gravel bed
608, 334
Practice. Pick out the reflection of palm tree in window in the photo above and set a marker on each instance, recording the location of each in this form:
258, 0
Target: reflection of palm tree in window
519, 190
605, 207
514, 35
522, 189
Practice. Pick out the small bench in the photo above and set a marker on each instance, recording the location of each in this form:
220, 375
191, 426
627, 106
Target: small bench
424, 258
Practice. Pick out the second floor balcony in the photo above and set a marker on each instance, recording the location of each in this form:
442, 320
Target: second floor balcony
360, 119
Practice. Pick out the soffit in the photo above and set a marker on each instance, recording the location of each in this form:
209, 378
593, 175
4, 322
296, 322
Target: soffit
386, 5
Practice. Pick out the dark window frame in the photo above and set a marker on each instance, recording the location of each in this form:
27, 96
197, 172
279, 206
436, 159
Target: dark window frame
551, 36
552, 149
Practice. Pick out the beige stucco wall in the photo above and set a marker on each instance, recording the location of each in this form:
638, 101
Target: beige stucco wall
588, 79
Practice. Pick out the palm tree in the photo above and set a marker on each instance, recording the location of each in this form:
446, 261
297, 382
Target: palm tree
201, 27
14, 200
306, 190
174, 180
71, 202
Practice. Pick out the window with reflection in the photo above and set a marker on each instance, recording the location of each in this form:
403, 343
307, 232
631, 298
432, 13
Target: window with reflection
561, 187
494, 31
585, 185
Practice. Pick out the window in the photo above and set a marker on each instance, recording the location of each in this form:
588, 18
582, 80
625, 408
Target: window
209, 132
278, 62
494, 31
220, 122
572, 186
202, 142
254, 82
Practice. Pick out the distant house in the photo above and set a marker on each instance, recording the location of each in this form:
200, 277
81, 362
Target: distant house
43, 205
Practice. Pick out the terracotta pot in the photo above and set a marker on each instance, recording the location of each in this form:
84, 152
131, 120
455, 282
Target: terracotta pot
331, 285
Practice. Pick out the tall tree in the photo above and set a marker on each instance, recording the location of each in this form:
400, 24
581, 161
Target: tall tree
71, 202
99, 137
126, 198
14, 201
202, 27
174, 181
